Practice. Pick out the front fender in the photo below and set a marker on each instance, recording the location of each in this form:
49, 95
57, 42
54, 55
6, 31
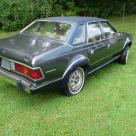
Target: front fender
128, 41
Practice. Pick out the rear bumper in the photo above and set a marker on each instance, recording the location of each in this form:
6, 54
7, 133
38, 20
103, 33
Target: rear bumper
21, 83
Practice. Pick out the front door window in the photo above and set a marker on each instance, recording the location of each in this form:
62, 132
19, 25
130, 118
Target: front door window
108, 30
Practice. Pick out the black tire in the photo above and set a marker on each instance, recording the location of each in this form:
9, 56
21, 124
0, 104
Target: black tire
124, 56
77, 77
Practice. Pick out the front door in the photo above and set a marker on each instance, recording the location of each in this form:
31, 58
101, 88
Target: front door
114, 44
97, 48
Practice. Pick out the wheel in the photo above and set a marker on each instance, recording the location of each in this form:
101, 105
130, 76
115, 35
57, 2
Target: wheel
75, 82
124, 56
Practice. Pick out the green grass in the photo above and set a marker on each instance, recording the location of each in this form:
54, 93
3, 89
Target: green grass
106, 106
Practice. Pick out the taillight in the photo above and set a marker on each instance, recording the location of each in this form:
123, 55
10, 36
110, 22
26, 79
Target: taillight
32, 73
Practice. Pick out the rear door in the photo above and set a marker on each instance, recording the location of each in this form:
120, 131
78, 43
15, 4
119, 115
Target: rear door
96, 50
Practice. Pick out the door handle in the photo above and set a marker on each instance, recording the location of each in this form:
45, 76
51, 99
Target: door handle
91, 51
108, 45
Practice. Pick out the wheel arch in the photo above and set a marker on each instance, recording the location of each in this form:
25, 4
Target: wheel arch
127, 43
77, 61
130, 44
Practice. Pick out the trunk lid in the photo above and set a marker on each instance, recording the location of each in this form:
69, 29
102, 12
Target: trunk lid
23, 47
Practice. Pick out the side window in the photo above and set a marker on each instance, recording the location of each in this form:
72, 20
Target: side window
108, 30
94, 32
80, 35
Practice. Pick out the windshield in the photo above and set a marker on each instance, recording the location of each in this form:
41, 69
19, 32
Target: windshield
55, 30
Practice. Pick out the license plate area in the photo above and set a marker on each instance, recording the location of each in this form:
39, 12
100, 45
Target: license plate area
6, 64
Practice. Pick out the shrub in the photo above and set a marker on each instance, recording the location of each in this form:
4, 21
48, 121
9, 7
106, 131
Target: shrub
15, 14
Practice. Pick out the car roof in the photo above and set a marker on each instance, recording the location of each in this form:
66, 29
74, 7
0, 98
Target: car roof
74, 19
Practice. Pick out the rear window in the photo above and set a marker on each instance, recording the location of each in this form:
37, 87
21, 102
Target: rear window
55, 30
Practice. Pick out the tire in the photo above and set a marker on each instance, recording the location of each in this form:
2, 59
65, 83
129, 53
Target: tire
124, 56
75, 82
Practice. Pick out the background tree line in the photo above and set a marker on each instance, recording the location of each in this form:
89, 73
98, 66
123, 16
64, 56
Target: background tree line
15, 14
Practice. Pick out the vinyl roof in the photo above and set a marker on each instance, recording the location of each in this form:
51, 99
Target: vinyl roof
74, 19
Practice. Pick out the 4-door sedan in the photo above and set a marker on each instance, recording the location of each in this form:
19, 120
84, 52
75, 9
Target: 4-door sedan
64, 49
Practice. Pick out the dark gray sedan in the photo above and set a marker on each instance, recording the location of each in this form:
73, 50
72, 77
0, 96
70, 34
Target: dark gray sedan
64, 49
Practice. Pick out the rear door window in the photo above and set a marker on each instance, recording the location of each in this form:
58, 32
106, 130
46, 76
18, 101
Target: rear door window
94, 32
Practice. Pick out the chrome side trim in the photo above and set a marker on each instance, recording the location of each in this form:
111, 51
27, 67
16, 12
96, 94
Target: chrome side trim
52, 70
27, 27
103, 65
49, 20
69, 45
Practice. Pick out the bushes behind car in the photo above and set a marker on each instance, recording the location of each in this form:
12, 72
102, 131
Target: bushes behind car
15, 14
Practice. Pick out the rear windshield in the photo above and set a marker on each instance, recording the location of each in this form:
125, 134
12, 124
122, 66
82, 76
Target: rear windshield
54, 30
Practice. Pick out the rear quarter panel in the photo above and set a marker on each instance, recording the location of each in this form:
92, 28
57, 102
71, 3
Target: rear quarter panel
60, 61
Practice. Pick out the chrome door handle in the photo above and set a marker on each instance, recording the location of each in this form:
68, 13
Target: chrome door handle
91, 51
108, 45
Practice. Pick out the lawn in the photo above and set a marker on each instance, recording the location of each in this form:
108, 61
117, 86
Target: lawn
105, 107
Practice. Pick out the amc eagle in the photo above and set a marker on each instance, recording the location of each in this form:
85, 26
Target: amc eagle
61, 49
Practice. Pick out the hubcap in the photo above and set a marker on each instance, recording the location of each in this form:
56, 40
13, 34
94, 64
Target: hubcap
76, 81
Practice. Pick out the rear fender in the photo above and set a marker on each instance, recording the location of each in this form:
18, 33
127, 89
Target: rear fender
77, 61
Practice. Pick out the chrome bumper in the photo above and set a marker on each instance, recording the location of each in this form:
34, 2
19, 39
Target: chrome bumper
21, 84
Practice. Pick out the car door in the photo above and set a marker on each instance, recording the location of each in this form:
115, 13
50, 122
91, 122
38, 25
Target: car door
112, 38
96, 50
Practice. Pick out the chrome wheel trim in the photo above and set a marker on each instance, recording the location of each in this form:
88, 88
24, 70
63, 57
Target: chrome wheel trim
126, 58
76, 81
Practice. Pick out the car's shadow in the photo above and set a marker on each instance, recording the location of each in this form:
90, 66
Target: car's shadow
52, 89
46, 95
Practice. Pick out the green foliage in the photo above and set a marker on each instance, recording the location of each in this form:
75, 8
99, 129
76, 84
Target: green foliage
15, 14
105, 8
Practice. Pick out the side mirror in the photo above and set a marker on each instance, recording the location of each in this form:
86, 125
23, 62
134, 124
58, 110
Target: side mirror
107, 34
118, 34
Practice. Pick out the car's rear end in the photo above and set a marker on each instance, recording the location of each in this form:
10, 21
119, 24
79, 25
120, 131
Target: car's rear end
19, 74
29, 59
18, 55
